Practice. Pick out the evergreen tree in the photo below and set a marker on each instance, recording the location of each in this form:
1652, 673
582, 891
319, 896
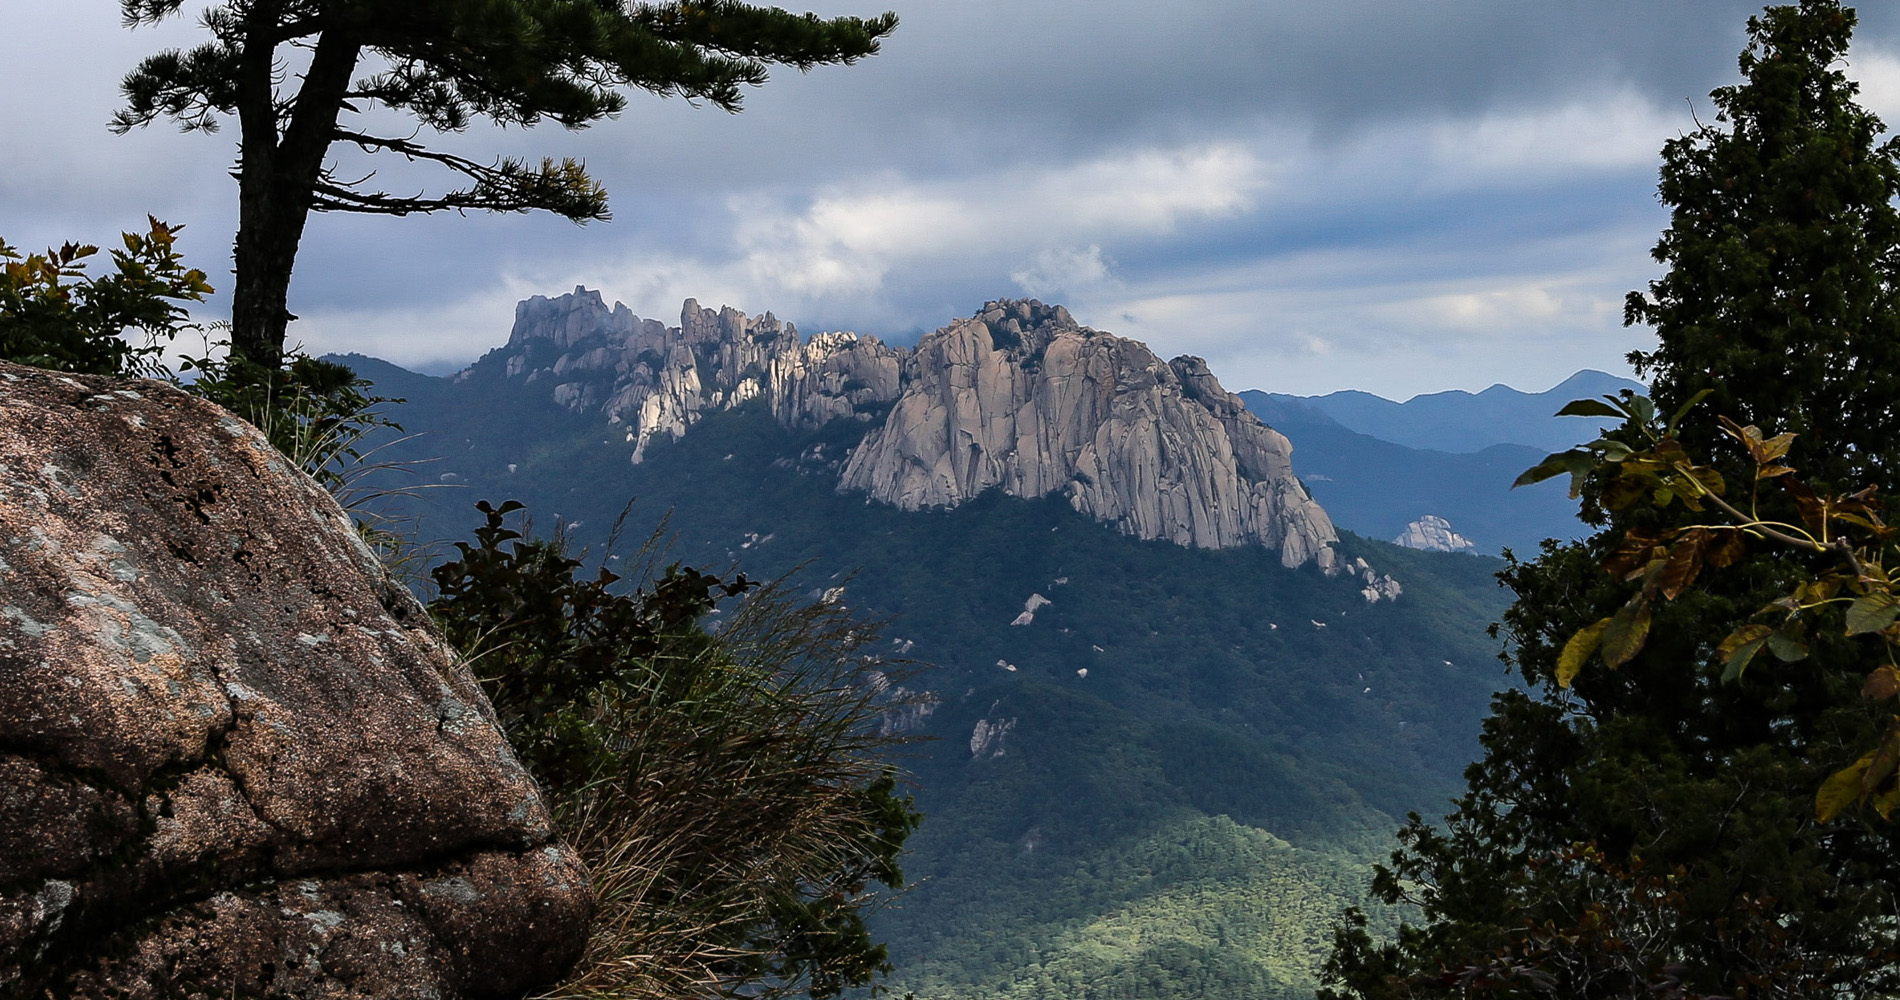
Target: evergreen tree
1650, 830
443, 63
1782, 249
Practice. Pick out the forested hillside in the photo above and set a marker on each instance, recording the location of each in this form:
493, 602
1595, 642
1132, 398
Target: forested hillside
1167, 783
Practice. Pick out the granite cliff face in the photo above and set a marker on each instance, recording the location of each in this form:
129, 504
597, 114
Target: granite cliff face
1432, 533
1019, 397
655, 379
235, 756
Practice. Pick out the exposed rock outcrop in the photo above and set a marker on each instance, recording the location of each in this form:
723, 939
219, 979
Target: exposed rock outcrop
1020, 398
1433, 534
1378, 586
986, 740
656, 379
1023, 398
235, 757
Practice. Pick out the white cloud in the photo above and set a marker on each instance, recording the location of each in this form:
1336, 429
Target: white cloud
849, 237
1617, 131
1388, 308
1878, 73
1062, 270
431, 336
1046, 226
1490, 309
1396, 320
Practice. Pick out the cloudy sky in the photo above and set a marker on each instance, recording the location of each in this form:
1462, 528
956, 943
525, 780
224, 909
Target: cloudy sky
1392, 195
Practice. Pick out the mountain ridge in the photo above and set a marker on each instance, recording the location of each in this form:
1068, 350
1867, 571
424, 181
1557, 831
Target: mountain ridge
1162, 783
1461, 422
1019, 396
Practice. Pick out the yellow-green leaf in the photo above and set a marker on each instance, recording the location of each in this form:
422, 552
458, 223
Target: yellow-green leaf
1872, 612
1628, 629
1553, 465
1775, 447
1625, 490
1787, 648
1885, 802
1840, 789
1590, 408
1577, 650
1740, 647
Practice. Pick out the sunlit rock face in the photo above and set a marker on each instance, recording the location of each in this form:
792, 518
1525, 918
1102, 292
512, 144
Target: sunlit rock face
1432, 533
1019, 398
236, 758
659, 380
1022, 398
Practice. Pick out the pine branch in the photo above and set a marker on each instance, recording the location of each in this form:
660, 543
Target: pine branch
508, 185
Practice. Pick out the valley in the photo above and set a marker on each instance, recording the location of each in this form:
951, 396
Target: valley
1149, 769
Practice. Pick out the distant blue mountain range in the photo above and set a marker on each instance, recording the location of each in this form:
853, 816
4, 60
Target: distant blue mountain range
1459, 422
1377, 465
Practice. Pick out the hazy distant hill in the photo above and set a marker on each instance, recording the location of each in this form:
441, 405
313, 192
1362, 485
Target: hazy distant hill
1161, 780
1458, 421
1377, 487
1377, 465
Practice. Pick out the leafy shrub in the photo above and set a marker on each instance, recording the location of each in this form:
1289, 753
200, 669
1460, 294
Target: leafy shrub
55, 315
725, 786
318, 413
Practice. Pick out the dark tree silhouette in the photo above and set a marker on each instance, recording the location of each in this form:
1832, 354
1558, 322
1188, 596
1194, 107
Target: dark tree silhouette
444, 64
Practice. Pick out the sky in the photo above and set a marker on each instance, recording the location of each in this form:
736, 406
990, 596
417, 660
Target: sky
1388, 195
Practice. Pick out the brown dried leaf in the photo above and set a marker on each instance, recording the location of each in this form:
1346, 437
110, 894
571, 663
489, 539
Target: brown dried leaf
1882, 684
1727, 548
1684, 562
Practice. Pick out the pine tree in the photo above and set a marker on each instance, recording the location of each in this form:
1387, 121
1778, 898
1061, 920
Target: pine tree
444, 64
1651, 830
1782, 249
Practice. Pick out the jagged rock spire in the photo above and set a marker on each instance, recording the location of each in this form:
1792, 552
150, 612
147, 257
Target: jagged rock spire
1019, 397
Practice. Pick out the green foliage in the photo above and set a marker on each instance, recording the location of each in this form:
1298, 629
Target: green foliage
1637, 788
727, 788
1201, 906
1842, 584
1209, 693
1783, 247
444, 64
53, 314
317, 413
553, 635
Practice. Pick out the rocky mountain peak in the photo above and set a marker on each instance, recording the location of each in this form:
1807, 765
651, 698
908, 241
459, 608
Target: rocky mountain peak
1023, 328
1433, 534
653, 379
1019, 397
568, 320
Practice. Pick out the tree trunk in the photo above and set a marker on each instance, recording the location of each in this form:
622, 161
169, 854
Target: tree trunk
266, 250
276, 179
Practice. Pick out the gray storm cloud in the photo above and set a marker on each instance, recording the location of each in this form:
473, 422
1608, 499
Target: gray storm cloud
1313, 194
